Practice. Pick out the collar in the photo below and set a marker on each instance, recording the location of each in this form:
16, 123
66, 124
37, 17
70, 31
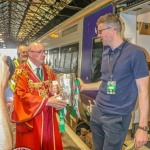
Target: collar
112, 52
32, 65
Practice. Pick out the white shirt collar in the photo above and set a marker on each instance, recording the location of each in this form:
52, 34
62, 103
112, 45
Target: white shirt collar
32, 65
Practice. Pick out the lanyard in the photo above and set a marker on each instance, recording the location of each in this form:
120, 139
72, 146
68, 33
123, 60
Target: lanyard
111, 69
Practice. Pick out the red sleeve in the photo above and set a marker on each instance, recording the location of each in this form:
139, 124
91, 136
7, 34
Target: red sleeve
26, 104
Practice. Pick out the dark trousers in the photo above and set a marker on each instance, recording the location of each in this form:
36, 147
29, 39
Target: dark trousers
108, 131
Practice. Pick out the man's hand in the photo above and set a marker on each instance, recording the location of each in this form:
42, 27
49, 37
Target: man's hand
141, 138
56, 102
53, 89
4, 72
82, 85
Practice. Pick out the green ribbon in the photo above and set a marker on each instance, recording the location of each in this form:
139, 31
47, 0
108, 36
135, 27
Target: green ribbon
73, 112
76, 97
67, 107
62, 121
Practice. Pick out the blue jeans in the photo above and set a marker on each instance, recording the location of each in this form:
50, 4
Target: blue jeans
108, 131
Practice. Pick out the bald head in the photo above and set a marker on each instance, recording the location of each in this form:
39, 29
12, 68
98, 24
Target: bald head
34, 45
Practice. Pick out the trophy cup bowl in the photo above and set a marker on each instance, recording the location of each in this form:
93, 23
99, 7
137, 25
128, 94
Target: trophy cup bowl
66, 86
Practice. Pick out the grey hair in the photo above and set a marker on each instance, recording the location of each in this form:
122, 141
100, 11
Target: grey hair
32, 44
110, 20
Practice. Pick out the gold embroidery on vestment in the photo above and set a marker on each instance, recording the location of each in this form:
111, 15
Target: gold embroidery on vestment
40, 87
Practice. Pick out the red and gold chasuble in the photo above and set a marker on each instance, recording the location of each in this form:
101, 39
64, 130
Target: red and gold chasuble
36, 123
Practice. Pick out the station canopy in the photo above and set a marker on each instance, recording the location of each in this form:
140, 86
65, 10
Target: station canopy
26, 20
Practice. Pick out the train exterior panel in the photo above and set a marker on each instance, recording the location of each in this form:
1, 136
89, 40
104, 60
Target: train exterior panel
78, 34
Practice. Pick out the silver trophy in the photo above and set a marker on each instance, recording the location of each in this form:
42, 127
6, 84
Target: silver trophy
66, 85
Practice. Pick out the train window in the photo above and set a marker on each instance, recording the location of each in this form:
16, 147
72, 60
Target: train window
68, 57
62, 57
74, 60
50, 62
97, 51
68, 60
70, 30
53, 59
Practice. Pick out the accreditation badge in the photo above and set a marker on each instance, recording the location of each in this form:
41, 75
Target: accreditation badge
111, 87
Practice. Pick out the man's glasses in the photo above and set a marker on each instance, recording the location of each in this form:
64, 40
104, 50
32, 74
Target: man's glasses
100, 31
23, 52
39, 52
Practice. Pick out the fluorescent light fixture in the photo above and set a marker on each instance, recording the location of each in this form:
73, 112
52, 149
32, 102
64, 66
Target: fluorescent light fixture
53, 35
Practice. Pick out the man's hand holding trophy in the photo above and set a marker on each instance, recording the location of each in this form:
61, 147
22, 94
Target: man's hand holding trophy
64, 94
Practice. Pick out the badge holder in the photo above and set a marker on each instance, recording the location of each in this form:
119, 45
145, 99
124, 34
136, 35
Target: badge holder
111, 87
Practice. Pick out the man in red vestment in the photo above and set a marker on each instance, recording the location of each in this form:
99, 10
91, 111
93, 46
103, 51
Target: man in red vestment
34, 104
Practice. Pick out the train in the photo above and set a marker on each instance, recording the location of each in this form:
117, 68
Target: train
73, 45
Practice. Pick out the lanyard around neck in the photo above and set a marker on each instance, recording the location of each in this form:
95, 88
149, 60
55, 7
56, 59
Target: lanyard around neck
111, 69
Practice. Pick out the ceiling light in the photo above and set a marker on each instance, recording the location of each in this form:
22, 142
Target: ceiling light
54, 35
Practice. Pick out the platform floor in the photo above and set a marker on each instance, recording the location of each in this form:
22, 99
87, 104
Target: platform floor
71, 141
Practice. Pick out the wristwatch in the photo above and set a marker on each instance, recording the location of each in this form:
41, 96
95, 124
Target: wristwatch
145, 128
